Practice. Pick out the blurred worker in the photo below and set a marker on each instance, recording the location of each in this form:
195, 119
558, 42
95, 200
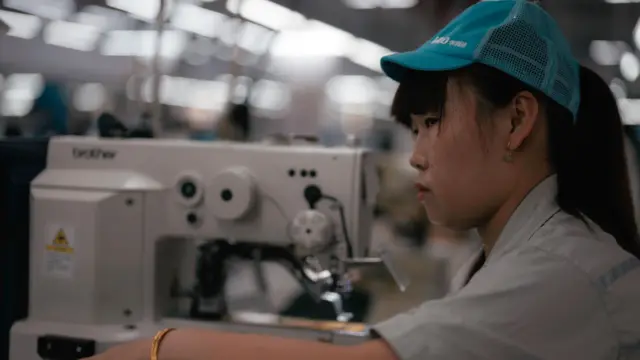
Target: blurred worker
236, 125
143, 129
12, 128
515, 139
50, 111
110, 127
12, 131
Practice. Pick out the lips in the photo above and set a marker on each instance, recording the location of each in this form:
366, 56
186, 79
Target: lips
422, 191
421, 187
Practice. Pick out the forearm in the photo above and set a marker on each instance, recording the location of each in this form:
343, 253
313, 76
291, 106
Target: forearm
193, 344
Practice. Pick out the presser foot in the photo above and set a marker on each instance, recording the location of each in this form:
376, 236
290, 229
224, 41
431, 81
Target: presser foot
345, 317
335, 300
208, 309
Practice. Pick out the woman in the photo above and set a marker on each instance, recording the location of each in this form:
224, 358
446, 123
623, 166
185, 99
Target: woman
514, 139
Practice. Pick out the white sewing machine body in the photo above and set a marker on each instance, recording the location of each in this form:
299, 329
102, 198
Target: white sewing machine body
114, 223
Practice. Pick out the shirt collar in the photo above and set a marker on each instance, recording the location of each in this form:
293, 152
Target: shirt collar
536, 208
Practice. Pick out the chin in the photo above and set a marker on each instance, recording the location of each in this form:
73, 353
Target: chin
449, 222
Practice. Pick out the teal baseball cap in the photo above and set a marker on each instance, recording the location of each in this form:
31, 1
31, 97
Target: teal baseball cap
517, 37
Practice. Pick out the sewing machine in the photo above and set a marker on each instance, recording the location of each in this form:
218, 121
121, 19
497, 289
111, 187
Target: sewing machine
115, 225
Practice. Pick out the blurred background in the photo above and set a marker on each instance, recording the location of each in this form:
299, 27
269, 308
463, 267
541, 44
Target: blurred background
246, 70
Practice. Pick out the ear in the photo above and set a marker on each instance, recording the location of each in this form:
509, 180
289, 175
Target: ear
524, 112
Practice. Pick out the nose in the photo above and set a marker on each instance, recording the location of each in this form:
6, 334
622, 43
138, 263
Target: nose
418, 162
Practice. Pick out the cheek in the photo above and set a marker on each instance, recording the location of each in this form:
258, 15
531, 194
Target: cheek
461, 178
454, 156
458, 149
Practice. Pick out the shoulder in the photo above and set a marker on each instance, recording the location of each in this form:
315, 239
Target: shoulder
567, 292
527, 305
581, 247
611, 274
573, 258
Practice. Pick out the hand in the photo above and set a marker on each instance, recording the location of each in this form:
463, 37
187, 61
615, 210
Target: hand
354, 275
137, 350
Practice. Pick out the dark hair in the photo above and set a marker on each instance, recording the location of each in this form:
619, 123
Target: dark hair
588, 156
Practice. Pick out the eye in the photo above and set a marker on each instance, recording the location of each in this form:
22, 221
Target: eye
424, 122
430, 121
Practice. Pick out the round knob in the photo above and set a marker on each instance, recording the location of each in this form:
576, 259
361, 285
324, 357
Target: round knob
311, 232
231, 194
189, 190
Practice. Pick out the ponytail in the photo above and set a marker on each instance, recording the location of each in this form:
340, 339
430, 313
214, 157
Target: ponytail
589, 158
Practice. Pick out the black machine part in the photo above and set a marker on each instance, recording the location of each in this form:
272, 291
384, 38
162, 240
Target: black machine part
211, 271
54, 347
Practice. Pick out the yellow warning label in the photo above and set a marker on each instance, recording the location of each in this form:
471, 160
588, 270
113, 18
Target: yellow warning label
60, 243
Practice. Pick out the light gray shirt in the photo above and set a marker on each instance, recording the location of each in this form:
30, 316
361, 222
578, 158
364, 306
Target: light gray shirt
551, 288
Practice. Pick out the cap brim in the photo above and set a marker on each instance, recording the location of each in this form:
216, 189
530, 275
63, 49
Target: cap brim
396, 66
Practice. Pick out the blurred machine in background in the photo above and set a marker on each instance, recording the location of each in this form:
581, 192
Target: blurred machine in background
122, 229
111, 127
21, 160
396, 199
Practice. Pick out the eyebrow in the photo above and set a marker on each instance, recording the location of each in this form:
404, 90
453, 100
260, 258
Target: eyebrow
429, 115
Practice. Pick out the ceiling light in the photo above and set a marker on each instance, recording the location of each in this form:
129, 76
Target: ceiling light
398, 4
71, 35
229, 31
630, 66
146, 10
636, 34
618, 88
104, 18
21, 25
362, 4
49, 9
20, 92
629, 111
270, 96
192, 18
143, 43
269, 14
232, 6
95, 20
367, 54
255, 38
315, 39
90, 97
189, 93
352, 89
385, 4
604, 53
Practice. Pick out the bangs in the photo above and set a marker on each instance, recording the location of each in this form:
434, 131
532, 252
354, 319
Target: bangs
421, 92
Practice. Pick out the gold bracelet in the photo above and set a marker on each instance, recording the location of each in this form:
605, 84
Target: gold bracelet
157, 339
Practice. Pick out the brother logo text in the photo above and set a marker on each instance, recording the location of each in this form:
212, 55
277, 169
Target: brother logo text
94, 154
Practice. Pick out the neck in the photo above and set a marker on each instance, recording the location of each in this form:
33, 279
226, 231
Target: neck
490, 232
